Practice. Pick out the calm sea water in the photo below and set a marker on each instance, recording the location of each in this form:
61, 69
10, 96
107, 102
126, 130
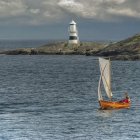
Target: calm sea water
55, 98
14, 44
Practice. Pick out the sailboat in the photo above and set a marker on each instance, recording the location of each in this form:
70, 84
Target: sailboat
105, 79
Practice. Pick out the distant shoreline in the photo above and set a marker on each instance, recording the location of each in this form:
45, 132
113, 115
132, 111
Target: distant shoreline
128, 49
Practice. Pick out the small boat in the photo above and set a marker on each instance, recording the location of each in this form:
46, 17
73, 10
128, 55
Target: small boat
105, 79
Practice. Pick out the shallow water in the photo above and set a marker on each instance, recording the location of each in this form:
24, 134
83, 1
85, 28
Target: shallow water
55, 98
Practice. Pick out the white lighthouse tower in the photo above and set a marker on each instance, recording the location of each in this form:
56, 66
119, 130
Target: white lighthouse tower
73, 33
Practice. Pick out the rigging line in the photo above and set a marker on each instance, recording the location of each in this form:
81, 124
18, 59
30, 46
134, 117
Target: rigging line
114, 85
110, 75
100, 97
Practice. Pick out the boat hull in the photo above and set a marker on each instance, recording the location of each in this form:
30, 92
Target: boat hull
113, 105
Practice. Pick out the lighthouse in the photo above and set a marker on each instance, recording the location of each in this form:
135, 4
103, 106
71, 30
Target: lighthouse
73, 33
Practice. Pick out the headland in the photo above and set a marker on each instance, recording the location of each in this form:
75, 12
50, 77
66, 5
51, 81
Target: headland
127, 49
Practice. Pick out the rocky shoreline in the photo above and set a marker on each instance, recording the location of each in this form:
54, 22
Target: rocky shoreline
59, 48
128, 49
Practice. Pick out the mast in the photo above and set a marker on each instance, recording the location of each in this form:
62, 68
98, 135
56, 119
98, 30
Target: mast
110, 77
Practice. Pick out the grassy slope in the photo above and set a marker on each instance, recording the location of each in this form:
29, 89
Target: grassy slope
64, 48
125, 49
83, 48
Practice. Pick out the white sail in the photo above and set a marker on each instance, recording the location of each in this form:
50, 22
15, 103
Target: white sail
106, 75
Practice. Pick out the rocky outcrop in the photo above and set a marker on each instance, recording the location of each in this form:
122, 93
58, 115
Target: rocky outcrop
128, 49
59, 48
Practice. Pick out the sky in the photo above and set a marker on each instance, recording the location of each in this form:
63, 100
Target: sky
49, 19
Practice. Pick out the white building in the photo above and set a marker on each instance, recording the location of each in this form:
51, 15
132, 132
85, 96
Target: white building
73, 33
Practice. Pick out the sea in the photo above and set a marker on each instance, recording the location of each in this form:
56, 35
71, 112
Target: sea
54, 97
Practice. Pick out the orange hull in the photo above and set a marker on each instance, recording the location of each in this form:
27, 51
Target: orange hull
113, 105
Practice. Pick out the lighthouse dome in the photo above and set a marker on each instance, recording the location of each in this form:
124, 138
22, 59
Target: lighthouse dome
72, 22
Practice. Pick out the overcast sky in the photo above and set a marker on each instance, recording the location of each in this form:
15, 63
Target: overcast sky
49, 19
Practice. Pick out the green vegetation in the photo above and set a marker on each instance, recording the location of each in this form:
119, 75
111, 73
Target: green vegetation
128, 49
60, 48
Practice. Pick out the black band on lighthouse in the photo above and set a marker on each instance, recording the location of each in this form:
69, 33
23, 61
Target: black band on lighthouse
73, 38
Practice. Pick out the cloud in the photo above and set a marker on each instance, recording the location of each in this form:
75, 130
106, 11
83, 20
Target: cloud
35, 11
78, 8
105, 10
44, 11
124, 12
116, 1
12, 8
50, 9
